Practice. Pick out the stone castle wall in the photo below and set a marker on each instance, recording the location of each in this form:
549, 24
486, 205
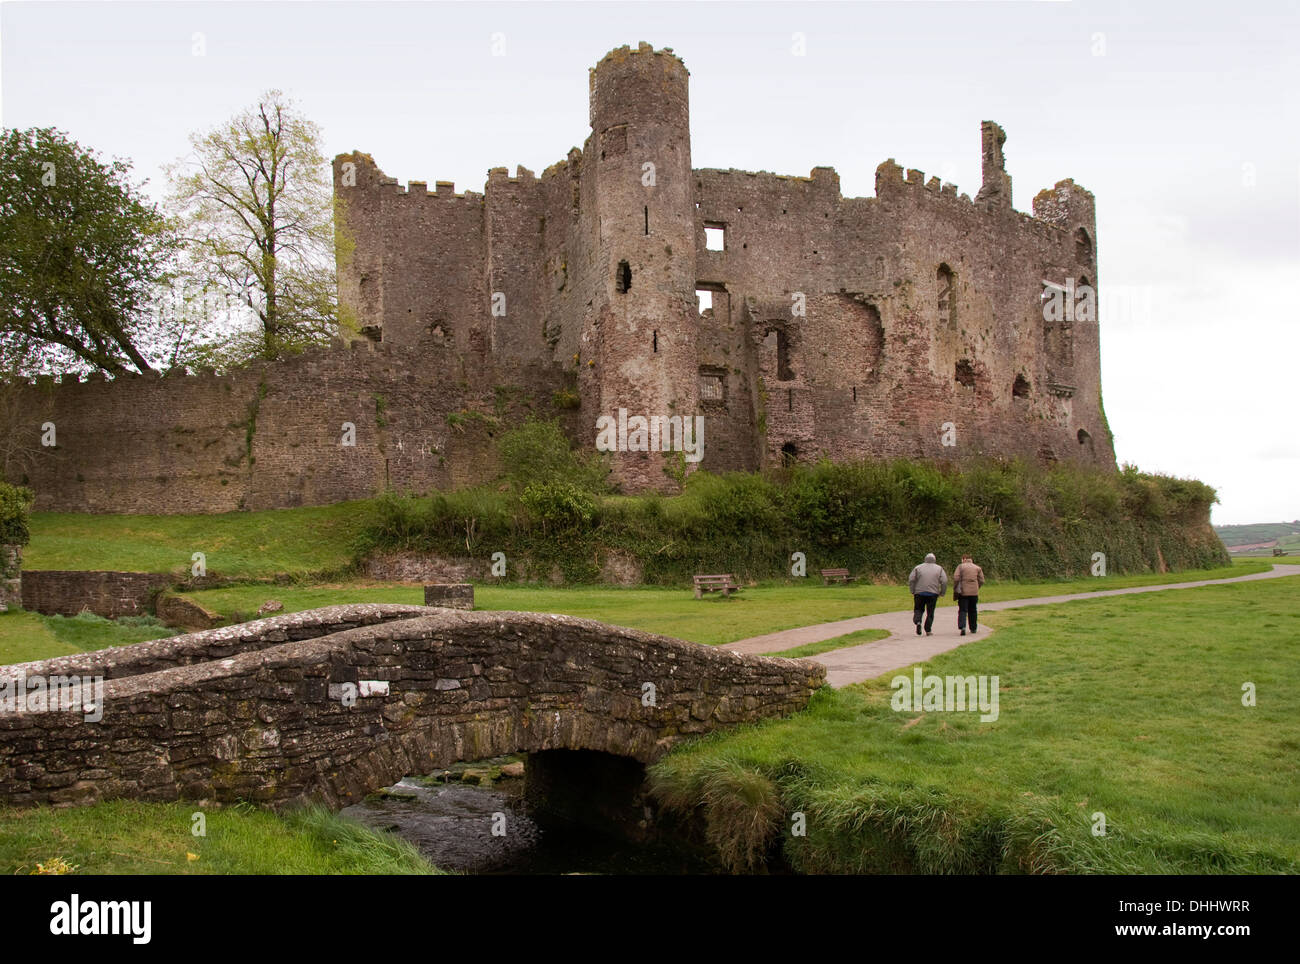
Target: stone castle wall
271, 436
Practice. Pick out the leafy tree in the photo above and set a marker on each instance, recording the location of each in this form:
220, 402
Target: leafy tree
83, 250
255, 202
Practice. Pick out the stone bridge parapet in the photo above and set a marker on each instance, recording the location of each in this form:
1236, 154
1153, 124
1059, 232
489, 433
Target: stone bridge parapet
335, 703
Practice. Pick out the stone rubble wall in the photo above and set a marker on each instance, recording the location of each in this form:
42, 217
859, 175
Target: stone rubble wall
55, 592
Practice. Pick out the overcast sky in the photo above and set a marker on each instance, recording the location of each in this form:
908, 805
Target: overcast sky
1180, 116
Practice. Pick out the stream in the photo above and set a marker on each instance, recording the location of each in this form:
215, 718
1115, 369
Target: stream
452, 824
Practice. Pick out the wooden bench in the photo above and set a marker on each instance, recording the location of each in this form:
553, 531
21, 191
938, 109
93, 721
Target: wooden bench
836, 575
725, 584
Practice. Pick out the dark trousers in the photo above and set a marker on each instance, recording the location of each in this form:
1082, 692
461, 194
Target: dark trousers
966, 611
924, 603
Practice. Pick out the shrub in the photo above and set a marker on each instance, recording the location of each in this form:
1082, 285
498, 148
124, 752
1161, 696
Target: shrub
559, 505
15, 504
873, 517
540, 452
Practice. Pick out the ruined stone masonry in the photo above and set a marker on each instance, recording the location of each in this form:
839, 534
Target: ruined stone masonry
11, 576
845, 327
838, 327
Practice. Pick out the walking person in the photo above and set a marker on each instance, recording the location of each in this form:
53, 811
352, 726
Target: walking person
966, 581
927, 583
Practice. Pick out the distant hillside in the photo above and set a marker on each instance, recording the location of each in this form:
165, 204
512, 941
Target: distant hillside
1259, 538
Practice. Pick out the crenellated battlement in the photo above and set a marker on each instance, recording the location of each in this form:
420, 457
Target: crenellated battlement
644, 56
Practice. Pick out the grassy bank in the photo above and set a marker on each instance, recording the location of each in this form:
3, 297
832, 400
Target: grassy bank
28, 636
1128, 707
128, 837
1021, 520
236, 544
555, 518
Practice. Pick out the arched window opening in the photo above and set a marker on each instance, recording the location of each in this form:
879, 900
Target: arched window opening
947, 285
1083, 246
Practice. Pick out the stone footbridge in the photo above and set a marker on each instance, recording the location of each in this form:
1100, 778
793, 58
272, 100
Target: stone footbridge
334, 703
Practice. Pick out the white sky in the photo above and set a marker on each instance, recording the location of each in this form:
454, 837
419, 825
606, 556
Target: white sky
1185, 127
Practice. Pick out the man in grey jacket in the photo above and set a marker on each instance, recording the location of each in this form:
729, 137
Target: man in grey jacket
927, 583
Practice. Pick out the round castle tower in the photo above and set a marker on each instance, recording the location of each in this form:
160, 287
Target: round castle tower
645, 315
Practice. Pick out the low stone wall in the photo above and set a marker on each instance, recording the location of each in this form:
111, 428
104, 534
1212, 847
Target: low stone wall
422, 567
185, 613
109, 594
11, 576
349, 711
453, 596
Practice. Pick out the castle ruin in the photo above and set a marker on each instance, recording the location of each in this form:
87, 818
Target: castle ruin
836, 326
797, 322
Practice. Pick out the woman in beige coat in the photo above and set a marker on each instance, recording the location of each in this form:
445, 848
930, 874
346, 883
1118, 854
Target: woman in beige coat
966, 581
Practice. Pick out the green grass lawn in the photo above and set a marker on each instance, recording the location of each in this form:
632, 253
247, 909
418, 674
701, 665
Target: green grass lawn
128, 837
675, 612
236, 544
1130, 707
1126, 706
28, 636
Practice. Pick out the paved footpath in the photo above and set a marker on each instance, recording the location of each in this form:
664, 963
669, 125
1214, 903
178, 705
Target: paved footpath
903, 647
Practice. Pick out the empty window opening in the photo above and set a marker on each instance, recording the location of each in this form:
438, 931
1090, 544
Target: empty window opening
789, 454
705, 299
783, 370
647, 219
613, 141
965, 373
656, 340
947, 295
1083, 246
623, 279
1020, 389
855, 393
715, 237
1084, 437
711, 387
